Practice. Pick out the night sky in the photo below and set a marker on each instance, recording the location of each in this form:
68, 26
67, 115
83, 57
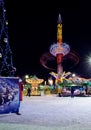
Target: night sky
32, 29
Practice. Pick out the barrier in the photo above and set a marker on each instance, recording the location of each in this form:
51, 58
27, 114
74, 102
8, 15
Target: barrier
9, 95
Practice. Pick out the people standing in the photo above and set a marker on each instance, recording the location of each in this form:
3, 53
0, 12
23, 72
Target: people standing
72, 91
21, 89
20, 94
28, 90
59, 90
86, 90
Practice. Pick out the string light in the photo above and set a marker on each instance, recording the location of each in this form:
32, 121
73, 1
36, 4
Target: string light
6, 64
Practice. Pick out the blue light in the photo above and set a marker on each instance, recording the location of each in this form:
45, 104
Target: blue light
6, 64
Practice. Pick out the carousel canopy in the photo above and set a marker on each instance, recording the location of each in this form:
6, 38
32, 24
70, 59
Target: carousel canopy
34, 79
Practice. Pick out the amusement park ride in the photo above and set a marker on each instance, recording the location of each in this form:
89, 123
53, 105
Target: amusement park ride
60, 52
34, 81
59, 49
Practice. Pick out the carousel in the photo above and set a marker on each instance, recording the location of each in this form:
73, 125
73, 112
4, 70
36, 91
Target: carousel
34, 81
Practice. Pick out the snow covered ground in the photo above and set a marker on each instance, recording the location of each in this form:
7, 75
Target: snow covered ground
50, 113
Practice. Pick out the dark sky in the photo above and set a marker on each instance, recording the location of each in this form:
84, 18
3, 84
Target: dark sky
32, 29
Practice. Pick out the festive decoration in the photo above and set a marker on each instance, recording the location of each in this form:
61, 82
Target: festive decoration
34, 81
6, 64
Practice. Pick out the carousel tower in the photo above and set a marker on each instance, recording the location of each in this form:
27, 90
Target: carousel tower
6, 64
59, 49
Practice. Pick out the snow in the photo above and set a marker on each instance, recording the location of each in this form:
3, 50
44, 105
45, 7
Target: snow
49, 113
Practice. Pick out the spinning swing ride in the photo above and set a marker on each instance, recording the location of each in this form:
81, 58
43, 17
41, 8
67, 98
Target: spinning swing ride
59, 54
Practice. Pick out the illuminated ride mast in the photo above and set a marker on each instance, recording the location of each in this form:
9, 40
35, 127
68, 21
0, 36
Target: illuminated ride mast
60, 54
59, 49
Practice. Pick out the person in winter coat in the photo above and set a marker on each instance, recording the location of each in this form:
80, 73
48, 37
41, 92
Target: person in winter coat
72, 91
21, 89
20, 94
28, 90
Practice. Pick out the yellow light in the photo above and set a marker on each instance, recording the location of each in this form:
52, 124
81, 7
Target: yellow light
26, 76
6, 22
73, 75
